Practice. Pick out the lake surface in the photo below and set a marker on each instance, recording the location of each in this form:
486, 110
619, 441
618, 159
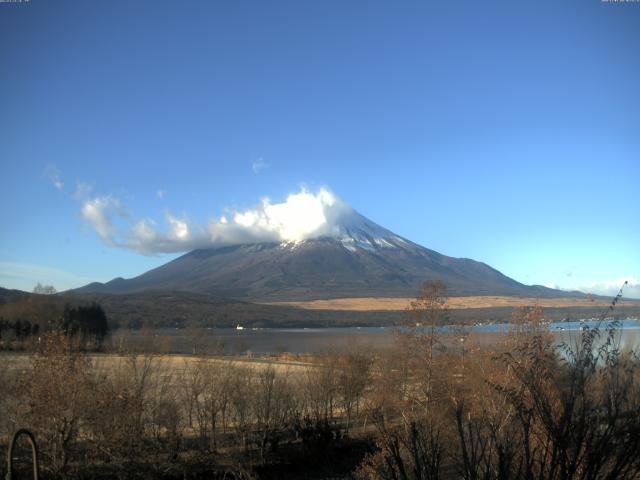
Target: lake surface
315, 340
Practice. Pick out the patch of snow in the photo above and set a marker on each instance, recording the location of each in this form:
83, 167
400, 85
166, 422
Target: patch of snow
357, 231
349, 247
291, 244
354, 231
383, 243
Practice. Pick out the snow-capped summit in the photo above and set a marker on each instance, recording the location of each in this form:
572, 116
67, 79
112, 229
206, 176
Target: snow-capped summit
355, 231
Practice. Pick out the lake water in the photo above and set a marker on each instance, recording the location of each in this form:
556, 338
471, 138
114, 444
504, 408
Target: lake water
315, 340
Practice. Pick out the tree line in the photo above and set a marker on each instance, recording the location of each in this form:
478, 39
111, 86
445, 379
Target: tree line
20, 322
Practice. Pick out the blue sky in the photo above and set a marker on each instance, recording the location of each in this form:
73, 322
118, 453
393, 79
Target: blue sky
507, 132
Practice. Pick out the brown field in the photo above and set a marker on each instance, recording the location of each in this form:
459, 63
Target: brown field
456, 303
176, 364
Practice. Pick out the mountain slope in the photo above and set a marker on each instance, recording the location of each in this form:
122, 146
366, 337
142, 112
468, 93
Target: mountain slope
357, 259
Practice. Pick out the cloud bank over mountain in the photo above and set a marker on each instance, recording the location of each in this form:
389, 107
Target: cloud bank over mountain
611, 287
303, 215
608, 288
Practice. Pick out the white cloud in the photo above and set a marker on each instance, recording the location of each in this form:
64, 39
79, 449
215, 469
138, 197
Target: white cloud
607, 288
301, 216
144, 232
258, 165
161, 193
83, 190
178, 229
53, 174
612, 287
100, 214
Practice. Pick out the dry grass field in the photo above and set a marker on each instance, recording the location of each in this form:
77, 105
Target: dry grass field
456, 303
175, 364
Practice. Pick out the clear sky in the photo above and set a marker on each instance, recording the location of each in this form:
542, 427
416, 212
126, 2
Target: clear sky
507, 132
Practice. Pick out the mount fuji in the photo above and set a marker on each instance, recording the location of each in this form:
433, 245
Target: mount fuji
353, 257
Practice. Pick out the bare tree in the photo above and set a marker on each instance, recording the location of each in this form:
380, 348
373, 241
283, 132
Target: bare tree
205, 397
427, 313
578, 412
121, 414
193, 386
58, 393
354, 376
240, 392
44, 289
218, 380
319, 385
271, 405
409, 421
